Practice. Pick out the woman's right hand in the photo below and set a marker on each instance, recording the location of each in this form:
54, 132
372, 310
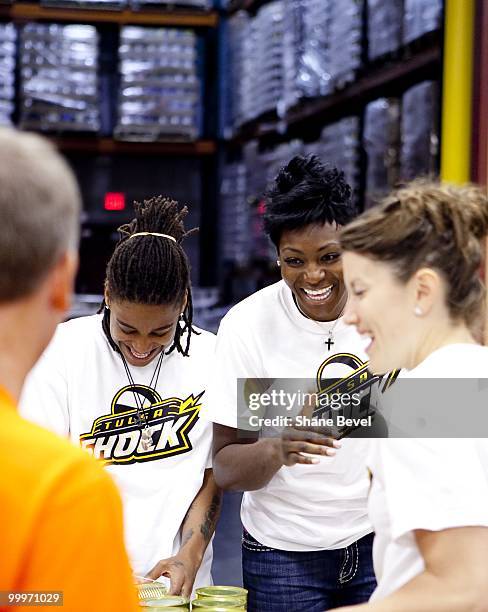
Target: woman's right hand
297, 440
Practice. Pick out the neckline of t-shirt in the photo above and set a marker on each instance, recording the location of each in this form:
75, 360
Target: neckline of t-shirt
442, 349
318, 328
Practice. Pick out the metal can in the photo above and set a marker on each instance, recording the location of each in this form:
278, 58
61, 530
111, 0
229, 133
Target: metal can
221, 591
209, 603
151, 590
169, 601
223, 595
232, 602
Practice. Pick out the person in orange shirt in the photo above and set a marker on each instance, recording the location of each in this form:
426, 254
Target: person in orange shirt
60, 513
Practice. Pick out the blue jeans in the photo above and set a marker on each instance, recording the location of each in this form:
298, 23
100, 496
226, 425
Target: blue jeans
315, 581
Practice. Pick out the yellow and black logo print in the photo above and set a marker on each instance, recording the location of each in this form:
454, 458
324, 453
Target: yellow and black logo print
116, 438
356, 379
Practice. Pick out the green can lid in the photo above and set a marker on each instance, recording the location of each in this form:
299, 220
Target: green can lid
221, 591
242, 601
222, 604
165, 609
168, 601
221, 608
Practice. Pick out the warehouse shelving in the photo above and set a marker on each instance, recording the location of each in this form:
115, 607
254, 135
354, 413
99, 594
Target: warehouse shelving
22, 12
90, 153
256, 148
412, 64
109, 146
28, 12
34, 12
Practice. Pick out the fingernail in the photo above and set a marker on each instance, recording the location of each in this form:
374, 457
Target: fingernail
336, 444
314, 460
331, 452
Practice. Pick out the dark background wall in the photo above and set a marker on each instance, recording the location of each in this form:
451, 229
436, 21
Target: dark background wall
138, 177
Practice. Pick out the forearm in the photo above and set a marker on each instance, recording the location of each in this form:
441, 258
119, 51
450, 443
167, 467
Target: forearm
247, 467
200, 520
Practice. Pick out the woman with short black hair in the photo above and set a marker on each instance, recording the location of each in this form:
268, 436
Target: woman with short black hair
307, 539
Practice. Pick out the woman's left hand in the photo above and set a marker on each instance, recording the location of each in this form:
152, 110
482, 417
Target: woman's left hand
181, 571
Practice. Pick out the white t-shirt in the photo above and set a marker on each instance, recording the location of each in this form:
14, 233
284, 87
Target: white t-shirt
426, 483
80, 389
304, 507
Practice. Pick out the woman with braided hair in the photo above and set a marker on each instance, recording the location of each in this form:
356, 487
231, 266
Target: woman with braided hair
128, 385
146, 259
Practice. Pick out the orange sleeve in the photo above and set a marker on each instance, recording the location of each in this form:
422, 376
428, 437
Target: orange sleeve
77, 545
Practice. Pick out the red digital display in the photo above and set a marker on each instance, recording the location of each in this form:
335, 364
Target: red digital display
114, 201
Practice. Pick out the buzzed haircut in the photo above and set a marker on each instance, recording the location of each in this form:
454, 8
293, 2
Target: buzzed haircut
39, 211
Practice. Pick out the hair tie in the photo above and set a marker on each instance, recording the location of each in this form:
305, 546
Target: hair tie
153, 234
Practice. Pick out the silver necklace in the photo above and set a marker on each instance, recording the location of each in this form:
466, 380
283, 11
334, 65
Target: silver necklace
330, 333
146, 430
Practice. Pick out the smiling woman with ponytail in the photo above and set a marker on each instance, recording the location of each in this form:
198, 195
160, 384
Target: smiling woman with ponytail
412, 269
128, 385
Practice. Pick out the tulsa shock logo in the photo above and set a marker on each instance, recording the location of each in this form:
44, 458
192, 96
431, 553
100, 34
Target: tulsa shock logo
355, 379
115, 438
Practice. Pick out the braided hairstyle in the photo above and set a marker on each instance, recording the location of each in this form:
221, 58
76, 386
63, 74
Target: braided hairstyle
153, 270
306, 192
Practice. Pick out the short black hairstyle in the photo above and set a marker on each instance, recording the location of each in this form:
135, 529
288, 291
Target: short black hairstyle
306, 192
153, 270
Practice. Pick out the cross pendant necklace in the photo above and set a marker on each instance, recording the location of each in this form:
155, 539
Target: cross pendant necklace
329, 340
330, 335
